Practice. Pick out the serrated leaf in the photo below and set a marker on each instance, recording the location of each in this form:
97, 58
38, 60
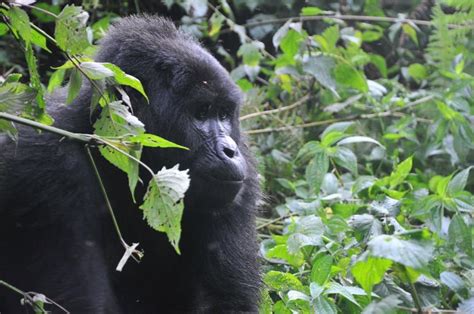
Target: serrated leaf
20, 23
116, 121
123, 78
336, 288
337, 127
70, 31
324, 305
163, 202
316, 170
290, 43
280, 252
413, 254
452, 281
370, 272
460, 234
321, 269
320, 68
345, 158
401, 172
96, 70
35, 80
347, 75
387, 305
152, 140
466, 306
459, 181
56, 80
74, 86
280, 281
250, 53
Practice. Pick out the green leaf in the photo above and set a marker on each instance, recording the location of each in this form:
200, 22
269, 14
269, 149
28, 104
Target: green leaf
459, 181
74, 86
216, 23
250, 53
345, 158
387, 305
370, 272
324, 305
358, 139
116, 121
38, 39
279, 281
56, 80
452, 281
336, 288
3, 29
316, 170
20, 23
290, 43
281, 252
401, 172
410, 31
338, 126
152, 140
163, 202
348, 76
320, 68
96, 70
409, 253
123, 78
70, 31
417, 71
329, 138
321, 269
460, 234
35, 80
306, 11
380, 63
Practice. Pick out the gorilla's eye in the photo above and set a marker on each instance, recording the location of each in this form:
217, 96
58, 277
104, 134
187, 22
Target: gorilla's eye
224, 114
203, 111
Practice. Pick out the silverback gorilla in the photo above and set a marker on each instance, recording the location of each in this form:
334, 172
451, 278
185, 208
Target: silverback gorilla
56, 236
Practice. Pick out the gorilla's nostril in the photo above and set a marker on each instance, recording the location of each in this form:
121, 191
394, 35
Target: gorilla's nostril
229, 152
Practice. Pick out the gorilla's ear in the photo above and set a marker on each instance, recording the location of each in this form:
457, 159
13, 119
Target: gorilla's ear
164, 73
172, 75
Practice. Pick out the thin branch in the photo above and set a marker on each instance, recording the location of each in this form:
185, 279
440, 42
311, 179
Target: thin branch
387, 113
297, 103
86, 138
362, 18
39, 9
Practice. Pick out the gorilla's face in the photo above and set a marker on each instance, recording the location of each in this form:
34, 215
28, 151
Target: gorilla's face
195, 104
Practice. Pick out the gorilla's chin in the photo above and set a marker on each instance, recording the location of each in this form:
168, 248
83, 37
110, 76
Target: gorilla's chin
209, 192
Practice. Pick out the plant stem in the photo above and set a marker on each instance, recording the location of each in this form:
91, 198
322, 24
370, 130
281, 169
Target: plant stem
297, 103
362, 18
104, 193
86, 138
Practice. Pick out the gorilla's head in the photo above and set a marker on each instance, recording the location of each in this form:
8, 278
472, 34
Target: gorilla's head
193, 102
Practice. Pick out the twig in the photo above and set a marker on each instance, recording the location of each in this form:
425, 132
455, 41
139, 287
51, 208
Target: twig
86, 138
363, 18
297, 103
387, 113
272, 222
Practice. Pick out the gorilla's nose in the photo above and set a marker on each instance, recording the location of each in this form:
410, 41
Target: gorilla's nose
227, 147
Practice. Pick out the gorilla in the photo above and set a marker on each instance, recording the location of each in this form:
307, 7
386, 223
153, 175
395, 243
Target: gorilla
56, 236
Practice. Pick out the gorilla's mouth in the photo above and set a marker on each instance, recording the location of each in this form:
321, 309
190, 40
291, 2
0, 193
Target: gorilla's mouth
238, 180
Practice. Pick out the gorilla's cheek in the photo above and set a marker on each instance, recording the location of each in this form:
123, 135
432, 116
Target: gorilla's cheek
216, 181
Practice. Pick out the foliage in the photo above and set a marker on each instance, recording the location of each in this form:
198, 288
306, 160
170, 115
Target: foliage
363, 131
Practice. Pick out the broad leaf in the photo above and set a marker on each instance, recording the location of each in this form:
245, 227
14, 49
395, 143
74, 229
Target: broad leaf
163, 202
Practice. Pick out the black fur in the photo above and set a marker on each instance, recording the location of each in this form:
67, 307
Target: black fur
56, 236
